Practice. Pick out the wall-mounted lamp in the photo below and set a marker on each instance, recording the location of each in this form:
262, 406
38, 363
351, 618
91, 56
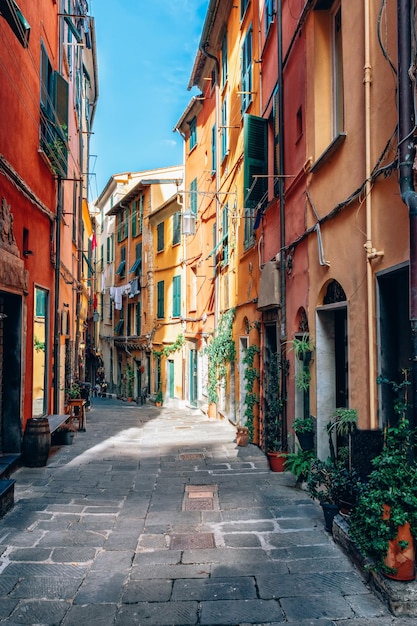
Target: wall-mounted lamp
27, 252
188, 223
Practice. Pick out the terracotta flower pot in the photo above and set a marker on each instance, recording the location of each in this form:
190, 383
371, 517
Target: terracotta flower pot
242, 436
400, 559
276, 461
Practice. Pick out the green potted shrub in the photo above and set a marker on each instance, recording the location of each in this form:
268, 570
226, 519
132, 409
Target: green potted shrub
159, 397
384, 522
299, 463
333, 485
304, 428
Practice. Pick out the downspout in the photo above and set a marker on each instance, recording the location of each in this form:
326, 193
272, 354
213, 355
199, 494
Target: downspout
406, 153
218, 168
281, 193
56, 367
368, 206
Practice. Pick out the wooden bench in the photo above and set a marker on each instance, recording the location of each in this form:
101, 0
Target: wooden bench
55, 421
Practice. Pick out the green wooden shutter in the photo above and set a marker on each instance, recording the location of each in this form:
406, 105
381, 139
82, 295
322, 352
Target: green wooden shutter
134, 219
176, 300
255, 154
176, 228
193, 196
161, 299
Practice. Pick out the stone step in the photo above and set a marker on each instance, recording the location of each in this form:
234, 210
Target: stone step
6, 495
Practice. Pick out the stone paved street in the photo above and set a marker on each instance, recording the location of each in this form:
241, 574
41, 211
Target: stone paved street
155, 517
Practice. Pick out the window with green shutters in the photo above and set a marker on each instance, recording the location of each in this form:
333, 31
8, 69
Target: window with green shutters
138, 327
193, 196
122, 225
213, 150
224, 129
269, 14
224, 59
134, 218
136, 268
193, 133
246, 70
176, 297
255, 162
225, 225
161, 299
140, 219
176, 228
121, 270
160, 235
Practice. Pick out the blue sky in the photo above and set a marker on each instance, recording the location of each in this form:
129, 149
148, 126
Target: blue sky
145, 52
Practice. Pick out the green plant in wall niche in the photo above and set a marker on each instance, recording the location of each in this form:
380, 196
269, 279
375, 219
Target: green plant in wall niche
221, 351
251, 398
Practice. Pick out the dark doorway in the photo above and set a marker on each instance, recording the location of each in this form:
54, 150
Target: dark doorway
394, 338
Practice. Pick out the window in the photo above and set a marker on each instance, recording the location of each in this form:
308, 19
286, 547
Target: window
255, 159
193, 133
160, 243
102, 258
224, 59
338, 97
213, 150
225, 224
243, 7
246, 70
16, 20
269, 14
176, 228
122, 225
176, 296
130, 311
193, 196
328, 77
121, 270
138, 327
161, 299
140, 213
54, 116
224, 129
134, 218
193, 289
110, 249
277, 164
137, 265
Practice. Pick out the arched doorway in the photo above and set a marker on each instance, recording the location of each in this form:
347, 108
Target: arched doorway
331, 360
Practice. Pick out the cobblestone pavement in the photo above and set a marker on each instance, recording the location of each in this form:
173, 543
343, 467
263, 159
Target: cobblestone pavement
155, 517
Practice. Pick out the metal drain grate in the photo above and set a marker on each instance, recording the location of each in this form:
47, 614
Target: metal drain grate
192, 542
199, 504
191, 456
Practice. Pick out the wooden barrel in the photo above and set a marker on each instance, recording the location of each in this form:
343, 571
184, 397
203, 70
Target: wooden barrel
36, 442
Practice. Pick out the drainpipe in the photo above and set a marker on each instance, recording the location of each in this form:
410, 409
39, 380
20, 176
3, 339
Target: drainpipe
56, 368
406, 152
283, 330
368, 211
218, 169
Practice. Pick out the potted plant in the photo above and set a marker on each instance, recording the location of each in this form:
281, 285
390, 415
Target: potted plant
159, 397
304, 428
331, 484
130, 379
64, 435
384, 522
242, 436
74, 391
299, 463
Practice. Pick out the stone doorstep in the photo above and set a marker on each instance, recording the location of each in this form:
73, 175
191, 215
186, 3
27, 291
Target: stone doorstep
400, 597
6, 495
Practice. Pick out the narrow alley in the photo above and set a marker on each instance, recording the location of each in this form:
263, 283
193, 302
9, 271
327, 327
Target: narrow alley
155, 517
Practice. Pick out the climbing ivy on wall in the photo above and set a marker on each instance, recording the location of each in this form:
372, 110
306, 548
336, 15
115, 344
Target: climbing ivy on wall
251, 397
221, 351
